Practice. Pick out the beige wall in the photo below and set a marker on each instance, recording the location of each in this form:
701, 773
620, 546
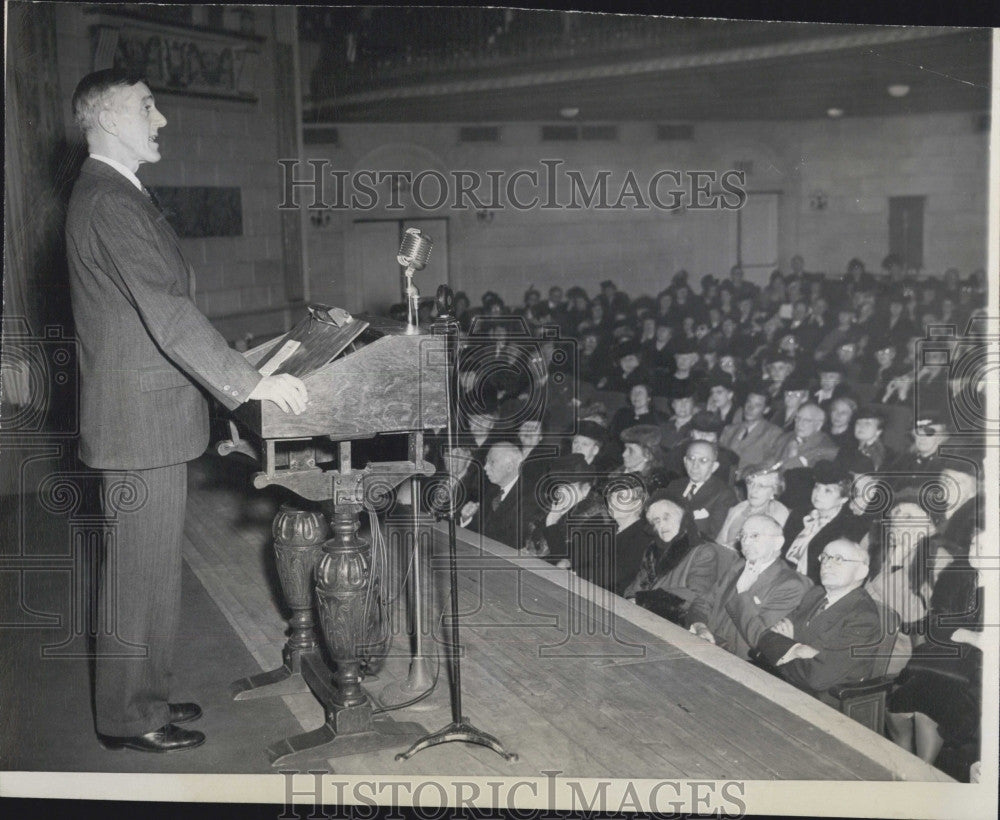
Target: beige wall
856, 163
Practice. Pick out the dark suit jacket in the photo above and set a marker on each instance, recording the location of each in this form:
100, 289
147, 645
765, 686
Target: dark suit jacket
508, 522
145, 349
738, 619
818, 447
714, 496
844, 524
851, 623
757, 448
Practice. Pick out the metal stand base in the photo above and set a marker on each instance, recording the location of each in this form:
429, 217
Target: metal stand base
416, 683
463, 732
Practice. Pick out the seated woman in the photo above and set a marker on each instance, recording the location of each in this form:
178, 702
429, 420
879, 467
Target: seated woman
641, 457
567, 498
938, 698
677, 567
841, 432
764, 483
639, 410
614, 568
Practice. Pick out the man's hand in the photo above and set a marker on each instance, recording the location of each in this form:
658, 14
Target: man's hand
702, 631
469, 509
784, 627
288, 392
799, 651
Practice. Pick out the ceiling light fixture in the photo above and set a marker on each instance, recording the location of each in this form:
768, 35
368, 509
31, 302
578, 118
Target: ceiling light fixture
568, 112
835, 112
898, 90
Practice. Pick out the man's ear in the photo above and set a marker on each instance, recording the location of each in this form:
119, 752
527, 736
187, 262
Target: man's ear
108, 120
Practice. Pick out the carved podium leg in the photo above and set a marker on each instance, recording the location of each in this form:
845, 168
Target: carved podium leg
298, 545
343, 577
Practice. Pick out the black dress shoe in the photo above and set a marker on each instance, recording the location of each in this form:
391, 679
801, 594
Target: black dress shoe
167, 738
184, 712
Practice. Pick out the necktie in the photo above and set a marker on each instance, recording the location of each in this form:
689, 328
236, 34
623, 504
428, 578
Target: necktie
496, 502
689, 491
152, 198
744, 430
747, 577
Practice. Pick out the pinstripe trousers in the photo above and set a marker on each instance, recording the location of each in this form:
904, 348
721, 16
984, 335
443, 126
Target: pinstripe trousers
140, 591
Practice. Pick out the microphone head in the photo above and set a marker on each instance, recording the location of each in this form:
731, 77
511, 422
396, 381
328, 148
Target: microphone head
415, 249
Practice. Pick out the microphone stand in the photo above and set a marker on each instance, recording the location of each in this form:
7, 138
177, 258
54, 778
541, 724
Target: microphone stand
460, 729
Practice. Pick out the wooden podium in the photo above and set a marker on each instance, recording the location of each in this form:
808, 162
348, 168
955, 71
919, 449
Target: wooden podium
383, 378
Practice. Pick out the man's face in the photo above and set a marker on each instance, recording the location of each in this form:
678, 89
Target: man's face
530, 433
457, 459
866, 430
699, 462
759, 541
719, 396
754, 407
794, 399
662, 334
808, 420
629, 362
840, 414
479, 423
665, 518
826, 497
845, 566
845, 353
555, 295
135, 122
682, 407
625, 502
586, 447
501, 466
886, 356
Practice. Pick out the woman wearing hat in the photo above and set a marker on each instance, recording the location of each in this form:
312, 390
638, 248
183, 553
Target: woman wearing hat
678, 566
639, 411
641, 456
764, 484
566, 497
614, 568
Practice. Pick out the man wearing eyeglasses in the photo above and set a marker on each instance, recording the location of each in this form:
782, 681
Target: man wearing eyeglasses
815, 647
702, 492
753, 595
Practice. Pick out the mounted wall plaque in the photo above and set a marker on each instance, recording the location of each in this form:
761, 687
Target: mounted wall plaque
193, 61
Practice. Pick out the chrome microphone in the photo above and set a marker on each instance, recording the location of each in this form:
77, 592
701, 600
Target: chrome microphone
414, 251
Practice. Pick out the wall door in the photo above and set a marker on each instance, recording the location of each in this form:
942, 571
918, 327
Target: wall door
757, 227
379, 277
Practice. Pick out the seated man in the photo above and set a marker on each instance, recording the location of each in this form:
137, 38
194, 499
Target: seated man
706, 496
756, 592
807, 443
504, 509
751, 436
705, 426
816, 646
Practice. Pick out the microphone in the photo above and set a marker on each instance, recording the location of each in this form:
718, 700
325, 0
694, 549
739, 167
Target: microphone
414, 250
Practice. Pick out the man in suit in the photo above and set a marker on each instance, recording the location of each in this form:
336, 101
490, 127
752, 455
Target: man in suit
755, 593
705, 495
751, 436
807, 443
147, 359
505, 508
815, 647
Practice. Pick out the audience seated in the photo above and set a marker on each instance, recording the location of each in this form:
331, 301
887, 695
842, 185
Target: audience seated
815, 647
677, 567
751, 436
829, 519
706, 496
756, 592
505, 507
763, 484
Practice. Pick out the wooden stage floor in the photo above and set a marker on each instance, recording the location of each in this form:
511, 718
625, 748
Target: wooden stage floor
569, 677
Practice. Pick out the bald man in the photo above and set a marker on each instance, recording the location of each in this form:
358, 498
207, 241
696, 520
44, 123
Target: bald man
806, 443
829, 638
756, 592
506, 506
